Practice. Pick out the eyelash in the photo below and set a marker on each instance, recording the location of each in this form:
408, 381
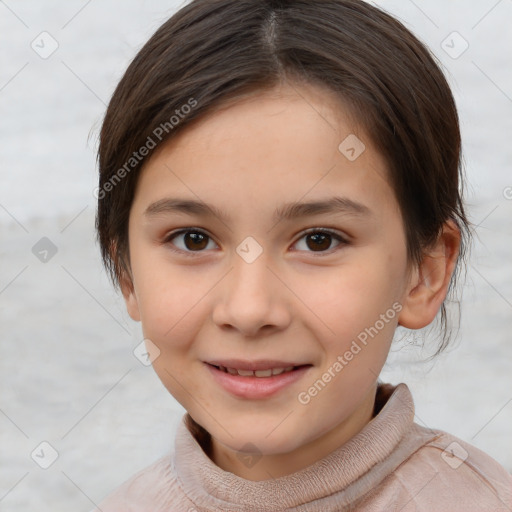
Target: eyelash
342, 241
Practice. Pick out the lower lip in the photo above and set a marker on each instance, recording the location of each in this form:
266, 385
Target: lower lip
256, 387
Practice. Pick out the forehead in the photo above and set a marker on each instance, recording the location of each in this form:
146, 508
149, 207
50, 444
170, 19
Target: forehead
271, 147
296, 107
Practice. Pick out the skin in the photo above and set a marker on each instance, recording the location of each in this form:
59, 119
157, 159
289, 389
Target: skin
295, 301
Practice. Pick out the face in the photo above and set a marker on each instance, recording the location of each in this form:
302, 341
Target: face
231, 270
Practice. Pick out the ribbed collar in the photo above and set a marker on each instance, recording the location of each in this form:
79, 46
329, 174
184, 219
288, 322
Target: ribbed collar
336, 481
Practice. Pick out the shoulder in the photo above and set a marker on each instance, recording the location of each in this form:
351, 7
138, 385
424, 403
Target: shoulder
456, 453
153, 488
446, 470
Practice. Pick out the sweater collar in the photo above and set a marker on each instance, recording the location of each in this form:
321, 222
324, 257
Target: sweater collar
211, 488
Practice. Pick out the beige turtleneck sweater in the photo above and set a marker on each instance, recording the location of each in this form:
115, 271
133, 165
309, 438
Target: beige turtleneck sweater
393, 464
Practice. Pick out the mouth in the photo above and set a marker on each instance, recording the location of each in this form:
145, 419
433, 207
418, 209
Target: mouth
268, 372
255, 380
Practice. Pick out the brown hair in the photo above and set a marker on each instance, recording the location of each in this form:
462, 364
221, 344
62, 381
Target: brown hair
212, 51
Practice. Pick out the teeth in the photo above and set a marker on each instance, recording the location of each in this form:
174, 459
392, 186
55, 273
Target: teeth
258, 373
245, 373
263, 373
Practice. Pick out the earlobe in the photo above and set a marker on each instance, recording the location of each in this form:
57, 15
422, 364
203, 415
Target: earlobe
130, 297
430, 280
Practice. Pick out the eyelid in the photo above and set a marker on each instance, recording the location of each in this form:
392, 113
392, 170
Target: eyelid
329, 231
172, 234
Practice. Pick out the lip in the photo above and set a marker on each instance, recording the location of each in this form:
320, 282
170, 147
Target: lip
256, 388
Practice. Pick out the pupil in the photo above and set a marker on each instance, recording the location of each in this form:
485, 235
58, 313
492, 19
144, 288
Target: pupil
320, 240
196, 239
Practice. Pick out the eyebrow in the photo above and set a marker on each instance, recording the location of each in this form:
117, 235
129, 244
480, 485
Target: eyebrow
286, 212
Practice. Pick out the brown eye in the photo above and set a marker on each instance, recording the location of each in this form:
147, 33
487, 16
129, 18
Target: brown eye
320, 241
195, 240
189, 240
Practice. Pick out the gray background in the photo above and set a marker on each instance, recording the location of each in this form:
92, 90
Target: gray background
68, 375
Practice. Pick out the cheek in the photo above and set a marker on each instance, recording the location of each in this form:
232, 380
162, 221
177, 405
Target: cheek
172, 313
356, 296
169, 299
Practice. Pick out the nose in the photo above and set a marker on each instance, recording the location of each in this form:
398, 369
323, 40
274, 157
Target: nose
252, 299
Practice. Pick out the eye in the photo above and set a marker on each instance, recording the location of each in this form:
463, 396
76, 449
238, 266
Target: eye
192, 240
319, 240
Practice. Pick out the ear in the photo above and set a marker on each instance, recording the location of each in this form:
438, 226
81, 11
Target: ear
130, 297
430, 280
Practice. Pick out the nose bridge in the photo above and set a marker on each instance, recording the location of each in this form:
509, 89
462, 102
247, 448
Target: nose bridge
252, 296
251, 279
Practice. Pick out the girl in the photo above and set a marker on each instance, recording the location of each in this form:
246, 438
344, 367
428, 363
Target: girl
279, 191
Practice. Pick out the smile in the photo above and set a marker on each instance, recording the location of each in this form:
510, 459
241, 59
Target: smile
255, 384
256, 373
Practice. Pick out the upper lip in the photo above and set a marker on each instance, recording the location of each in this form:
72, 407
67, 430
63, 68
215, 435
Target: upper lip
260, 364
